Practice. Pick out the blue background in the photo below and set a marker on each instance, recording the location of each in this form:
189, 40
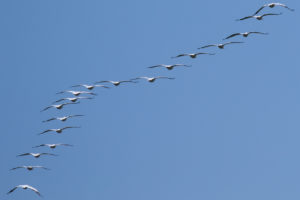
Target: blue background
227, 128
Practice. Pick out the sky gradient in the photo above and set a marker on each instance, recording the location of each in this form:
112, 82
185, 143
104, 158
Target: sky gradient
227, 128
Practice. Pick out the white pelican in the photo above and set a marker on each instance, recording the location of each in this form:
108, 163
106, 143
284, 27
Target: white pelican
30, 168
36, 155
59, 106
72, 99
192, 55
58, 130
169, 67
246, 34
116, 83
220, 46
152, 79
258, 17
52, 146
90, 87
62, 119
25, 187
272, 5
76, 93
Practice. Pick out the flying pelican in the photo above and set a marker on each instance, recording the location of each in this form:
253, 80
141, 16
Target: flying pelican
59, 130
246, 34
272, 5
220, 46
152, 79
116, 83
25, 187
192, 55
62, 119
76, 93
258, 17
72, 99
36, 155
169, 67
30, 168
52, 146
90, 87
59, 106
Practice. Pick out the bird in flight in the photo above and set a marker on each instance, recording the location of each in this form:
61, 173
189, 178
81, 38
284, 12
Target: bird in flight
30, 168
90, 87
72, 99
58, 130
76, 93
152, 79
246, 34
36, 155
220, 46
25, 187
272, 5
192, 55
52, 146
169, 67
62, 119
258, 17
116, 83
59, 106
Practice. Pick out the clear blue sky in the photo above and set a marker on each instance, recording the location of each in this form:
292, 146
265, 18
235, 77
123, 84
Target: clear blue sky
227, 128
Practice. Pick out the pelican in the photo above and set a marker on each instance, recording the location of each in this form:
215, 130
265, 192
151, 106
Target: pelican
30, 168
116, 83
62, 119
59, 130
59, 106
25, 187
192, 55
246, 34
36, 155
169, 67
258, 17
52, 146
90, 87
76, 93
272, 5
152, 79
220, 46
72, 99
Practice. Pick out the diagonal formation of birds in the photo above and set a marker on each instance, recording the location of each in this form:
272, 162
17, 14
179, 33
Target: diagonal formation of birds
75, 99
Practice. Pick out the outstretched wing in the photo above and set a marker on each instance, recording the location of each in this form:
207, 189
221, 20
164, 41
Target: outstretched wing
12, 190
285, 6
70, 116
59, 100
232, 43
67, 127
104, 86
34, 189
46, 131
180, 55
268, 14
260, 9
16, 168
156, 66
24, 154
211, 45
258, 33
41, 167
49, 154
232, 35
48, 120
248, 17
46, 108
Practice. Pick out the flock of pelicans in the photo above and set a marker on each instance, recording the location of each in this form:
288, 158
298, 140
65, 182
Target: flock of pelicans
77, 94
